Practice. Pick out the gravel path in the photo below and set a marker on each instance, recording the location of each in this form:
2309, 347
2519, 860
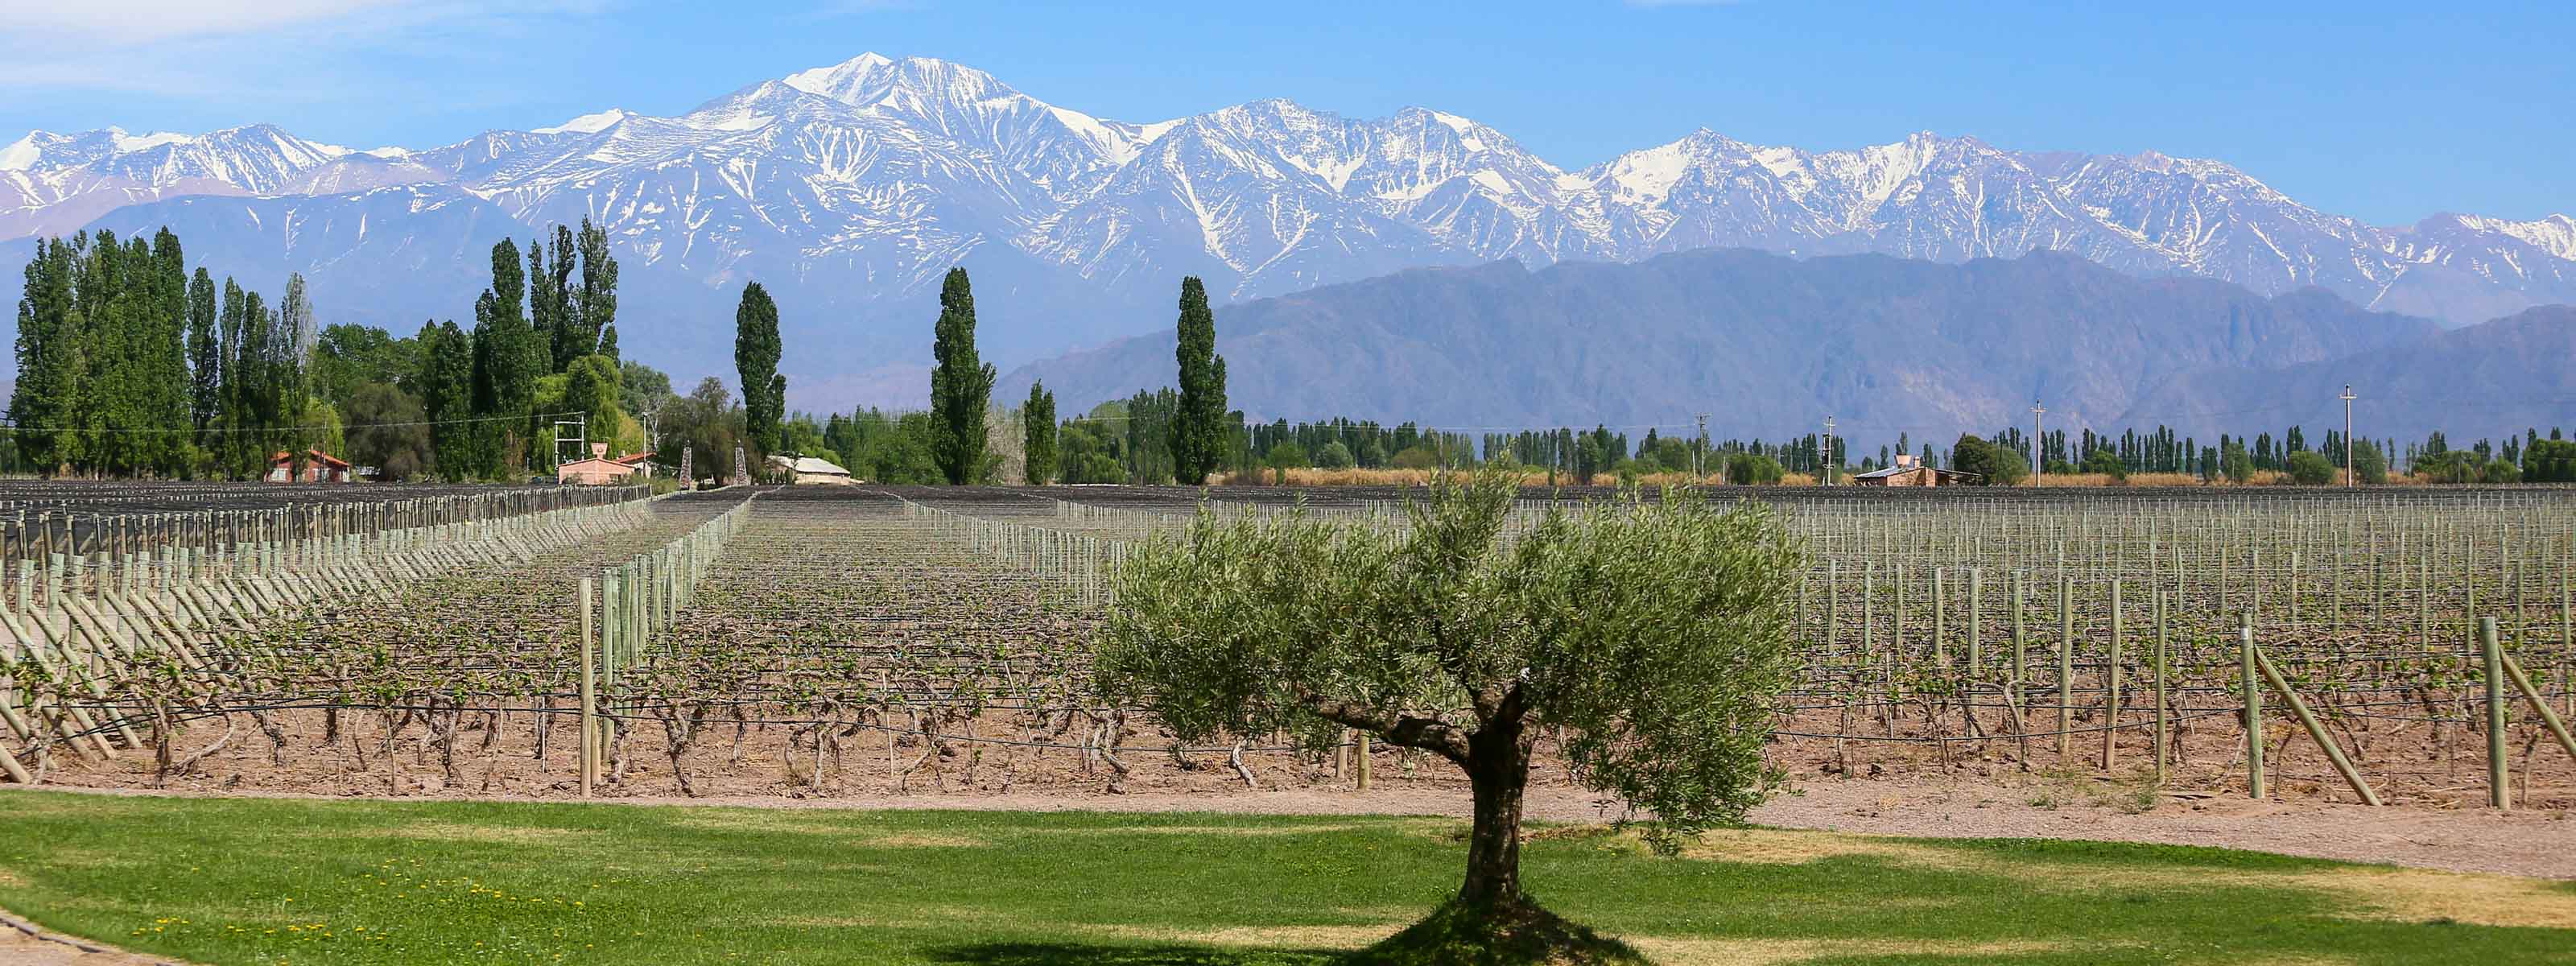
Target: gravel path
22, 943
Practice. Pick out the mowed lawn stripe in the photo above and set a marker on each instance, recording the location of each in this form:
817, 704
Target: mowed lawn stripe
243, 881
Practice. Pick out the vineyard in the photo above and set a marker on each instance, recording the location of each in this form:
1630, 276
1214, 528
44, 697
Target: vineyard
814, 642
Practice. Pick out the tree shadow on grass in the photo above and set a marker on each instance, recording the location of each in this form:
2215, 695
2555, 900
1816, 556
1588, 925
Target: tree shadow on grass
1066, 954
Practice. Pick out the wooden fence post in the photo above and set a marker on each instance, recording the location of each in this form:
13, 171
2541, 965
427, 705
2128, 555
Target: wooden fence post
589, 694
2111, 686
2246, 679
2160, 689
2498, 795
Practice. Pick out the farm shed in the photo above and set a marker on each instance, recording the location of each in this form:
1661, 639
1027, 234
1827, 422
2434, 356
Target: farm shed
318, 467
1907, 472
808, 469
600, 470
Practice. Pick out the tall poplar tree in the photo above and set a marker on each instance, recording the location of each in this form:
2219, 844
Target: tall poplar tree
550, 301
1198, 429
483, 396
756, 349
52, 361
232, 423
961, 385
167, 402
595, 303
447, 400
205, 358
508, 360
1038, 420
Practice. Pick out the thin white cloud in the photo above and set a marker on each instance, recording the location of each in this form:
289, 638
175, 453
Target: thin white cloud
251, 51
148, 21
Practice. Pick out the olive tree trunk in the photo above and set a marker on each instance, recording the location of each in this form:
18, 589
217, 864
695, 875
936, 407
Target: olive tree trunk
1497, 768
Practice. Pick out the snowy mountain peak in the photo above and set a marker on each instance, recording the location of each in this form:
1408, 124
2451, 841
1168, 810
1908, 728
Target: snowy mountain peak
587, 123
864, 180
841, 76
45, 149
2555, 234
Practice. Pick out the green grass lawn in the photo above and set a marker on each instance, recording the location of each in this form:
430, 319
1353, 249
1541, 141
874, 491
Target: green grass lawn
265, 881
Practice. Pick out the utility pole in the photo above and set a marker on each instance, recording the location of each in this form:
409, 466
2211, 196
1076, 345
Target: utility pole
1827, 457
2347, 435
1699, 449
2038, 442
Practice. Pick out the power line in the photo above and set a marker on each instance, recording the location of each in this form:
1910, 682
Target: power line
279, 429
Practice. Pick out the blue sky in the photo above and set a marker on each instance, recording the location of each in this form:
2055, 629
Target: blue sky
2384, 111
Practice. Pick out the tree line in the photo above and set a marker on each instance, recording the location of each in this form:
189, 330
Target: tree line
131, 365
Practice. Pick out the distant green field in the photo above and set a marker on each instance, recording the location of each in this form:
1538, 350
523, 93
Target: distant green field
294, 882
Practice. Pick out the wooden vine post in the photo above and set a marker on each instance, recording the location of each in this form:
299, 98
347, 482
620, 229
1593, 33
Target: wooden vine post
2498, 795
2160, 690
2253, 693
589, 694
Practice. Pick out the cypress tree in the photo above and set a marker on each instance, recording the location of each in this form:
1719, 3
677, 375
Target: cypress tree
1038, 420
1198, 428
756, 349
961, 385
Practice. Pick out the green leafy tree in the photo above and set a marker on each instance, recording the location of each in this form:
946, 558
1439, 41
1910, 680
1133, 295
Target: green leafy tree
1335, 456
2107, 463
386, 430
1652, 639
2369, 463
1994, 465
591, 389
756, 349
1289, 455
350, 356
1037, 418
642, 390
2543, 461
2234, 463
961, 384
1753, 469
1198, 429
2310, 468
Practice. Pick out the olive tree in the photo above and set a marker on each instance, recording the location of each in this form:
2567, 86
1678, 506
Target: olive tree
1649, 639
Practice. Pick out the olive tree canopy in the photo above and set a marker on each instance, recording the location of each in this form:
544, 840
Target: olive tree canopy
1650, 638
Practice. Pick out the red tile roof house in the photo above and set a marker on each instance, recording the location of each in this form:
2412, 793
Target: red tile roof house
600, 470
319, 467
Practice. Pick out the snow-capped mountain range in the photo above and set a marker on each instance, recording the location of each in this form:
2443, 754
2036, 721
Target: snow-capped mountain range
849, 189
